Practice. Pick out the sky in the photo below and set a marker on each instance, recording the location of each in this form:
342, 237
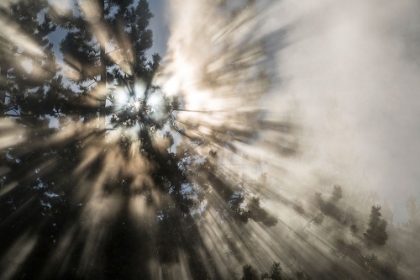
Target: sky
159, 26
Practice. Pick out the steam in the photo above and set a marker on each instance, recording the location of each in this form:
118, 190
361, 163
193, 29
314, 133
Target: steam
263, 104
344, 73
352, 69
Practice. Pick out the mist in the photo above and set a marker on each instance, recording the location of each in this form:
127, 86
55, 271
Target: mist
353, 67
213, 140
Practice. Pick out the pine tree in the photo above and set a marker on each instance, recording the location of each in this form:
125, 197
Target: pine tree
25, 88
97, 70
173, 189
29, 98
249, 273
376, 233
337, 194
276, 272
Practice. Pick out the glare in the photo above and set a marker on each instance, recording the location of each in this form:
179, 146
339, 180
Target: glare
139, 90
202, 167
121, 96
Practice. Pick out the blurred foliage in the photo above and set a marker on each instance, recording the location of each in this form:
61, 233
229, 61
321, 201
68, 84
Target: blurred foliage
96, 187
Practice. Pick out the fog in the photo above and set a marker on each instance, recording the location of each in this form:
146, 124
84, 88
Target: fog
353, 67
273, 139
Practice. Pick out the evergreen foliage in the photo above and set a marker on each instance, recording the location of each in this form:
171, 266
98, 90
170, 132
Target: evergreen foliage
69, 190
376, 233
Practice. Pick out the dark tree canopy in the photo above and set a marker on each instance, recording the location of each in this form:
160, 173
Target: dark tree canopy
105, 174
376, 232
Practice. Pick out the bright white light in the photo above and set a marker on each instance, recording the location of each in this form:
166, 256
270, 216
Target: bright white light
121, 96
139, 90
137, 105
171, 87
27, 64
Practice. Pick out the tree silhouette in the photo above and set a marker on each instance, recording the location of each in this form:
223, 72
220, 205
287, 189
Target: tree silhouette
24, 87
376, 233
174, 185
120, 26
276, 273
131, 183
337, 194
249, 273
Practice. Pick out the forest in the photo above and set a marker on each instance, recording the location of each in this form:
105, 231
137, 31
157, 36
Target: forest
120, 163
